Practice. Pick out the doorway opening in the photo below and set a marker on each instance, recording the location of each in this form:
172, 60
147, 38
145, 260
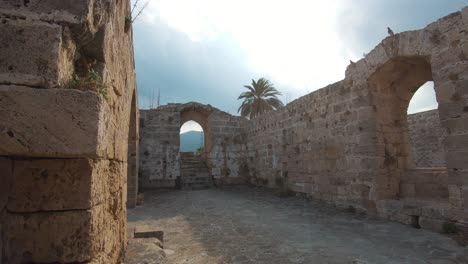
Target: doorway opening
192, 137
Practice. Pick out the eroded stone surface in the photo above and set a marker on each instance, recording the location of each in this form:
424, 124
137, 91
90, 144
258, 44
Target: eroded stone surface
68, 148
63, 184
35, 54
52, 123
80, 235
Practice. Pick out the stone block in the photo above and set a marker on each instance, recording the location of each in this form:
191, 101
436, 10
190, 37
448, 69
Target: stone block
54, 123
63, 184
35, 54
456, 142
408, 190
6, 169
144, 231
452, 109
458, 177
82, 16
456, 125
431, 224
457, 159
63, 237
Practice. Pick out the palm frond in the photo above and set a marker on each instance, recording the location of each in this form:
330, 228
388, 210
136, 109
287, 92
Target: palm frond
261, 97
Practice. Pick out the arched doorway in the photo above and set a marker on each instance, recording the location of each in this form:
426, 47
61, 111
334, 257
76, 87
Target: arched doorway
392, 88
195, 146
192, 138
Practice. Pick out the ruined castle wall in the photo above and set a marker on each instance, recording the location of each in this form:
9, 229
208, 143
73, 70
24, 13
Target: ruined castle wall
349, 144
426, 137
319, 144
159, 147
160, 140
63, 152
227, 157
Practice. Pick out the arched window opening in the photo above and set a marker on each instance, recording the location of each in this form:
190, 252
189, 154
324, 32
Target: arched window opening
192, 138
425, 130
408, 169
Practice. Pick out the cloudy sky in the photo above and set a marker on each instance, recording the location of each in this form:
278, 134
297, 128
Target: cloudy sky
206, 50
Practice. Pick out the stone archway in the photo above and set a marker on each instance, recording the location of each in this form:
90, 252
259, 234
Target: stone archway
201, 116
392, 86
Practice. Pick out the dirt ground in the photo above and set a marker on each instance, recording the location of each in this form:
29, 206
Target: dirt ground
246, 225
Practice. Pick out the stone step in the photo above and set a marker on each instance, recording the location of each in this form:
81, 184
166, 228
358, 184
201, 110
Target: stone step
196, 186
194, 167
202, 170
191, 179
193, 164
194, 174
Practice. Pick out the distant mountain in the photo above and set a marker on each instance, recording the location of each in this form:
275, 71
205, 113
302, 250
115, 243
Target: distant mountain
191, 141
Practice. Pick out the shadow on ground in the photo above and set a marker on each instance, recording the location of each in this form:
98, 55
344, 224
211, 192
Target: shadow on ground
247, 225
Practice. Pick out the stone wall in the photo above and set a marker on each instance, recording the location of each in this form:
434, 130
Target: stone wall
63, 152
318, 144
224, 149
426, 137
348, 144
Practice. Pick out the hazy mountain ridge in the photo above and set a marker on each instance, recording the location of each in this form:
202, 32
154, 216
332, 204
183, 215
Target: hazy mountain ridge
190, 141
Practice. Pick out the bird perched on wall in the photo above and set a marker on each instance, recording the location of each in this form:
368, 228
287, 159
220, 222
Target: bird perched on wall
390, 31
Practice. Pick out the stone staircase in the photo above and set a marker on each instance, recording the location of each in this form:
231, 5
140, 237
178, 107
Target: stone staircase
194, 173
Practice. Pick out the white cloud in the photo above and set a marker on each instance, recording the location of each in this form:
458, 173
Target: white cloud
292, 42
301, 45
190, 126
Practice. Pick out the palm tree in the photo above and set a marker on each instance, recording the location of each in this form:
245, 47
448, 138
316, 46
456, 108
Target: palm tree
261, 97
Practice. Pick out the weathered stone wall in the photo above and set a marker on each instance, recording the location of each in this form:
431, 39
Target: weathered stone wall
319, 144
426, 137
348, 144
159, 152
159, 147
63, 152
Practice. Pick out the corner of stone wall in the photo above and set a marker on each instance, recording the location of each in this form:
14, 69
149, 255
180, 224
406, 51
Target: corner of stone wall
67, 148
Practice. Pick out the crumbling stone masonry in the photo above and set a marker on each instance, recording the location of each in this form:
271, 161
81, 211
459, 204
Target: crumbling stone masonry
348, 144
225, 144
64, 153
